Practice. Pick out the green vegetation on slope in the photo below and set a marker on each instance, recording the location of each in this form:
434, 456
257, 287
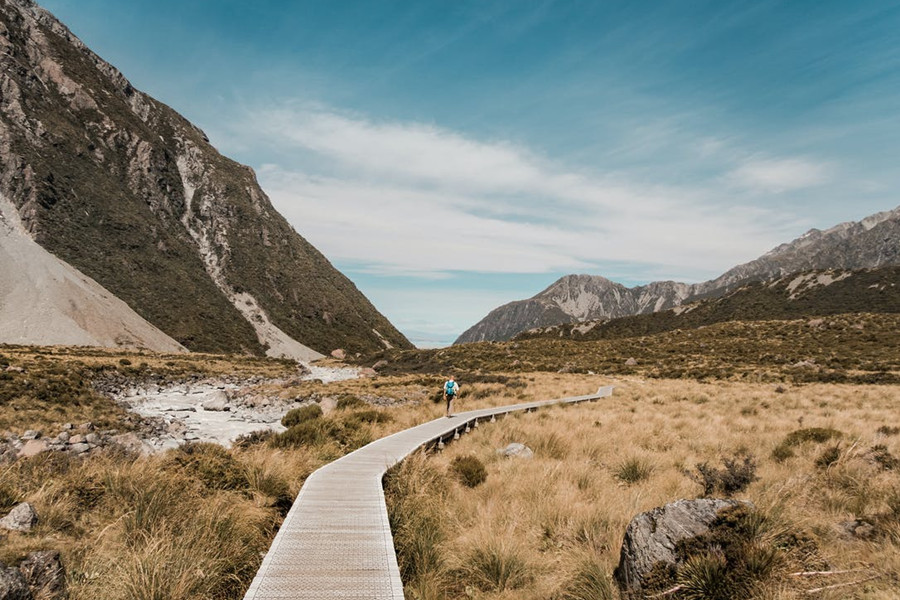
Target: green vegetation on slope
100, 187
869, 290
841, 348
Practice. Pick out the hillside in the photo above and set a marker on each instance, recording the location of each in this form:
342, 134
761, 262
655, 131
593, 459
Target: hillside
809, 294
45, 301
870, 243
127, 191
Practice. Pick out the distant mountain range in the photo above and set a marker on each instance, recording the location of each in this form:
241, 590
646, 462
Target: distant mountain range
131, 196
870, 243
807, 294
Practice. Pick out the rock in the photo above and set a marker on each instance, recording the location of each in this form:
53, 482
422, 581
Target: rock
130, 442
77, 439
20, 518
631, 362
79, 448
15, 370
13, 585
45, 575
87, 426
92, 438
339, 354
31, 434
217, 404
517, 450
33, 448
180, 408
68, 426
380, 364
63, 436
190, 436
367, 372
651, 537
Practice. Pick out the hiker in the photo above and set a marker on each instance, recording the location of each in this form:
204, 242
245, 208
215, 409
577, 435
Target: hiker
451, 389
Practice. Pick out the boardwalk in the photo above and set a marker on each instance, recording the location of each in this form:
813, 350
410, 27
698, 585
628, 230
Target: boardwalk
336, 541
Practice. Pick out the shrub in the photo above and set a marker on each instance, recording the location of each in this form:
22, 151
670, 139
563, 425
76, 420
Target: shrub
254, 438
308, 433
888, 430
469, 470
782, 452
633, 470
124, 362
299, 415
348, 401
818, 435
210, 463
738, 473
883, 457
829, 456
368, 416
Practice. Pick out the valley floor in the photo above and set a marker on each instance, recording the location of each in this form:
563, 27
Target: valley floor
191, 522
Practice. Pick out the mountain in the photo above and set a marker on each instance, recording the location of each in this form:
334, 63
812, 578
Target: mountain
795, 296
125, 190
45, 301
872, 242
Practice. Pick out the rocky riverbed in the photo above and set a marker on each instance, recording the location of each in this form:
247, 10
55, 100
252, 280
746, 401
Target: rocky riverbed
168, 414
216, 410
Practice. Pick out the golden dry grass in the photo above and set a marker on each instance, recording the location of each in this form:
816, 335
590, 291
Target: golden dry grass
568, 505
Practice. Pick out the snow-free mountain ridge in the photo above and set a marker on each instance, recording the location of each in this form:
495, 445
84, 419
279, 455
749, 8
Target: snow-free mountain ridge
129, 193
870, 243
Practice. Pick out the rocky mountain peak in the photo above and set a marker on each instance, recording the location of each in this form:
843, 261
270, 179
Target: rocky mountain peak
870, 243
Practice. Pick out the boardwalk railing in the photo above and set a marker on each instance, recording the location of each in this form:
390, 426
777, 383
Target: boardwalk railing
336, 540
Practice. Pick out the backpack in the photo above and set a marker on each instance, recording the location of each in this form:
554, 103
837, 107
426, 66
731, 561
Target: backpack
449, 388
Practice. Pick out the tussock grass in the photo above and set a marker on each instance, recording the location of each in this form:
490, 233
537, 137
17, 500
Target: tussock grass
564, 518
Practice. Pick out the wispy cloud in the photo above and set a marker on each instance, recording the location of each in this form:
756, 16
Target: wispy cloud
781, 175
422, 200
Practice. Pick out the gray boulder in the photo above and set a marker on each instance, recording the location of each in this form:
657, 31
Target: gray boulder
13, 585
21, 518
651, 537
517, 450
45, 575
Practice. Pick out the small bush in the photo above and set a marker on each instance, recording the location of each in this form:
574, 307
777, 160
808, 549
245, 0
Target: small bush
368, 416
633, 470
818, 435
212, 464
469, 470
738, 473
883, 457
782, 452
254, 438
887, 430
348, 402
829, 456
299, 415
308, 433
124, 362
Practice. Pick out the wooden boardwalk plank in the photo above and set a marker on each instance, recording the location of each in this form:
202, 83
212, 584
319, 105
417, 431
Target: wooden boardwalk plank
336, 540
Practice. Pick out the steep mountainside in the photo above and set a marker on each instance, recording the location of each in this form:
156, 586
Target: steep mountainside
798, 295
120, 186
872, 242
45, 301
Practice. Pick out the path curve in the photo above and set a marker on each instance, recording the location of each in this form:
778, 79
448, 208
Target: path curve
336, 540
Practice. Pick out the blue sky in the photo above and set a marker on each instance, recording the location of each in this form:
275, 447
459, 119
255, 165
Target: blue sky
451, 156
